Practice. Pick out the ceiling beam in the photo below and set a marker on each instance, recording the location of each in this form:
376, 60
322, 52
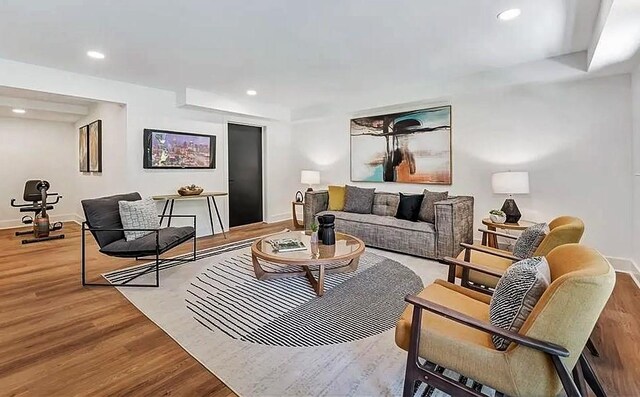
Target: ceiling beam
32, 104
616, 35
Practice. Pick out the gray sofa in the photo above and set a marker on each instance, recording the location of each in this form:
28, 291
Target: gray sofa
453, 225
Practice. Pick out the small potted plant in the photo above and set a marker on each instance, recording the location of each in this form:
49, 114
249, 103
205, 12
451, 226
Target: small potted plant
497, 216
314, 233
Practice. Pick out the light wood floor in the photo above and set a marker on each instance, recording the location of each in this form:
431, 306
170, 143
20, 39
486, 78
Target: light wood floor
59, 339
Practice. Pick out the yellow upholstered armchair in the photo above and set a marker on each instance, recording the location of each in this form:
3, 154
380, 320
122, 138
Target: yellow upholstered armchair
563, 230
448, 326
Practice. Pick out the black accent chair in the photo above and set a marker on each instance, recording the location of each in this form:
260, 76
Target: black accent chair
103, 221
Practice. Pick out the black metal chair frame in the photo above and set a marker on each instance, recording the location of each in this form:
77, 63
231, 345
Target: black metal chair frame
157, 260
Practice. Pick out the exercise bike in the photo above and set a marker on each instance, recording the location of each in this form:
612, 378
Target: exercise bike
35, 191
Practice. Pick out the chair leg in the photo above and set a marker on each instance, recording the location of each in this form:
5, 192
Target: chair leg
579, 380
567, 383
590, 377
592, 348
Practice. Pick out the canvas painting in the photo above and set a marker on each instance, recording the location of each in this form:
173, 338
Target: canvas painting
95, 146
407, 147
83, 145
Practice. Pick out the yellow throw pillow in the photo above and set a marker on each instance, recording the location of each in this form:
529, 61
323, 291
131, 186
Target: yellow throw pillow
336, 198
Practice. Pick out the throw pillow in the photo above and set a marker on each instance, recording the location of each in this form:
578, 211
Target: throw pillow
385, 204
528, 242
336, 198
141, 214
516, 294
427, 208
409, 207
358, 200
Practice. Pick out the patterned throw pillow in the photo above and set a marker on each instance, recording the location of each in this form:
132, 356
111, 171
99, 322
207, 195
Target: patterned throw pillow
427, 208
140, 214
516, 294
528, 242
336, 198
358, 200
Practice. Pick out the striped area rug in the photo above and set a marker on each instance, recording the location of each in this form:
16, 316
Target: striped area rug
276, 337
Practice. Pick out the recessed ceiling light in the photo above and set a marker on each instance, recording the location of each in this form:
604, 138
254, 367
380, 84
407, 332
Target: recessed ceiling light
19, 111
508, 15
252, 92
95, 54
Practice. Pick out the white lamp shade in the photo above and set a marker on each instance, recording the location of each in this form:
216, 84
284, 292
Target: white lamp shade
510, 182
310, 177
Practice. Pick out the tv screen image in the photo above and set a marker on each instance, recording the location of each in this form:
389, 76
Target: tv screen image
171, 149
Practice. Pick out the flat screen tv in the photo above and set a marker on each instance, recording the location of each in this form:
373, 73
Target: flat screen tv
178, 150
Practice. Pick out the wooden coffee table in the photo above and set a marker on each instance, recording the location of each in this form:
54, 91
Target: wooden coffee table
347, 249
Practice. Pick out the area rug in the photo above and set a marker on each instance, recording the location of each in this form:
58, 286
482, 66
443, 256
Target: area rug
276, 337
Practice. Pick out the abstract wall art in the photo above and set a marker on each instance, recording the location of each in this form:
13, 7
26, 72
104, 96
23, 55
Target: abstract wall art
405, 147
90, 147
83, 148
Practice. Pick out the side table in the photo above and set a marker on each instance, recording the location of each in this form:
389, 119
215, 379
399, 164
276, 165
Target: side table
297, 225
491, 240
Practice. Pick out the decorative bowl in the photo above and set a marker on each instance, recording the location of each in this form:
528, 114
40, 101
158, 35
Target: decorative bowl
187, 191
498, 218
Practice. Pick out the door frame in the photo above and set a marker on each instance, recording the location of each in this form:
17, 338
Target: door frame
263, 130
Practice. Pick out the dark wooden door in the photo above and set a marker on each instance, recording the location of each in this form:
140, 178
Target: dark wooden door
245, 174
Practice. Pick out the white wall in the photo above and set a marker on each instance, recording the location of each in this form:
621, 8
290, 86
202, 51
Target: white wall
154, 108
574, 138
635, 103
34, 149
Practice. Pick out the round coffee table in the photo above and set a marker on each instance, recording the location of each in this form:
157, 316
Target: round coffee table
347, 249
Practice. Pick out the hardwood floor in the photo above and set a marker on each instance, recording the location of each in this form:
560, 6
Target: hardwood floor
59, 339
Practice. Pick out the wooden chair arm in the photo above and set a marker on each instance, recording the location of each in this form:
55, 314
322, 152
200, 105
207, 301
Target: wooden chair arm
453, 262
498, 233
501, 254
547, 347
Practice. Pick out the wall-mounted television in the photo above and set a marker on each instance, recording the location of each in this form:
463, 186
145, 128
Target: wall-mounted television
178, 150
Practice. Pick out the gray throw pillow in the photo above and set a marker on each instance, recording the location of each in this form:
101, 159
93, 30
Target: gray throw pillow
385, 204
516, 294
427, 210
141, 214
528, 242
358, 200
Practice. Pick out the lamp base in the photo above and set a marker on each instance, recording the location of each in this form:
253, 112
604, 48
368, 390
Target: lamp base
309, 189
511, 210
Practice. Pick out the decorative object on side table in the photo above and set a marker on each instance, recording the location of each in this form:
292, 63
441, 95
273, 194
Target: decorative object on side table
310, 177
510, 183
497, 216
299, 197
190, 190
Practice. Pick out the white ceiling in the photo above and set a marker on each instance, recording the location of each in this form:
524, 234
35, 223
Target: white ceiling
42, 106
296, 53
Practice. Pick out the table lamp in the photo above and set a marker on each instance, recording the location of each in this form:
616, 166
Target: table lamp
510, 183
308, 177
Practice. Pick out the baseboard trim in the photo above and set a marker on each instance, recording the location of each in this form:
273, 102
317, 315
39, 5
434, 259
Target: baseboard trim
17, 223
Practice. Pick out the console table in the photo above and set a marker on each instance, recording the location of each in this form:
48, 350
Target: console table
169, 201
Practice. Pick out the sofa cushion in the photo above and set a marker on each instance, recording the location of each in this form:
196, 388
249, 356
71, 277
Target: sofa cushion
516, 294
427, 207
409, 206
104, 213
336, 198
385, 204
358, 200
168, 238
528, 242
389, 221
140, 214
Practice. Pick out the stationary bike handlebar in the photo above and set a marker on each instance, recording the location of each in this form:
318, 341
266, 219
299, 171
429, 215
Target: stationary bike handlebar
58, 197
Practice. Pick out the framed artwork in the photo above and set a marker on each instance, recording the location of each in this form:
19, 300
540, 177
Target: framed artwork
95, 146
406, 147
83, 145
178, 150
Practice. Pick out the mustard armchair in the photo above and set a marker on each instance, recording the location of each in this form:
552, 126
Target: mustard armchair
563, 230
448, 325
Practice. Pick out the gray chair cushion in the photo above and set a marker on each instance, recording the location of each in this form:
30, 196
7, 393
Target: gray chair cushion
427, 207
528, 242
516, 294
358, 200
385, 204
104, 213
168, 238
